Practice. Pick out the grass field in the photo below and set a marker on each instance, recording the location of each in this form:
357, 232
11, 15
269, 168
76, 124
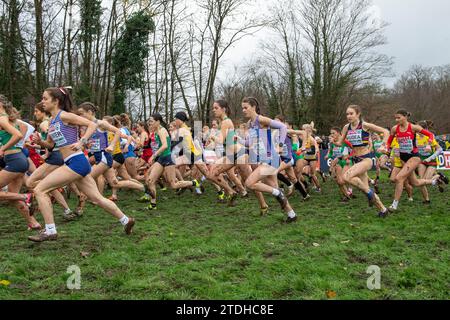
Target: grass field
194, 248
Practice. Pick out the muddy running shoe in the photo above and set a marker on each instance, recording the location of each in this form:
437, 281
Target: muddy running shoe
345, 200
232, 200
282, 200
384, 214
221, 197
145, 198
42, 236
264, 211
70, 216
129, 226
443, 178
291, 220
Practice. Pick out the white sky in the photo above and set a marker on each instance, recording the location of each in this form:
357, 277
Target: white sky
419, 33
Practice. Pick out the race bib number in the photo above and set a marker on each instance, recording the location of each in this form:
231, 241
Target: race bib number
406, 145
355, 137
337, 153
95, 145
57, 136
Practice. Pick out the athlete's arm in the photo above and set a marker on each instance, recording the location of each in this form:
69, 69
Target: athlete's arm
342, 137
382, 131
275, 125
419, 129
106, 126
16, 135
91, 126
438, 151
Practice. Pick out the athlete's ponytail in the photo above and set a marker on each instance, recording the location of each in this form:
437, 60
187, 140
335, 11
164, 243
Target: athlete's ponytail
125, 120
7, 105
63, 96
158, 117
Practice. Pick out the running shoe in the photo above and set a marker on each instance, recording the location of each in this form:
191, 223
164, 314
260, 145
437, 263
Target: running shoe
282, 200
345, 200
145, 198
264, 211
232, 200
393, 209
307, 197
70, 216
443, 178
384, 214
129, 226
151, 206
427, 202
42, 236
291, 220
221, 197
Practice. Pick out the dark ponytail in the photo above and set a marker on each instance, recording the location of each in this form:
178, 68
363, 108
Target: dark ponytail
63, 96
223, 104
158, 117
252, 102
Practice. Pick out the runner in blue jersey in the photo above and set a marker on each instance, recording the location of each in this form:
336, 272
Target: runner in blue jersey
64, 133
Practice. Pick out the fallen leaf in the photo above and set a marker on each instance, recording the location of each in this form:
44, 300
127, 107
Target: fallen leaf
84, 254
331, 294
316, 244
349, 217
5, 283
346, 241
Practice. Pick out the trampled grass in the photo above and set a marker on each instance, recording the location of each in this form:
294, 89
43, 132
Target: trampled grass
194, 248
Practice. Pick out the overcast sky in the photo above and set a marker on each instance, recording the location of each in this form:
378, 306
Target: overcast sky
419, 33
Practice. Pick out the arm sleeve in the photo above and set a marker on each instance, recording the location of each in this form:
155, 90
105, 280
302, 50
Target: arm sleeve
282, 127
389, 142
428, 134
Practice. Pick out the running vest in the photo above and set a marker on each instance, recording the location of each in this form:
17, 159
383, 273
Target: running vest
156, 144
376, 145
358, 137
98, 141
406, 140
260, 145
287, 148
422, 145
116, 146
5, 136
310, 150
44, 134
63, 135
